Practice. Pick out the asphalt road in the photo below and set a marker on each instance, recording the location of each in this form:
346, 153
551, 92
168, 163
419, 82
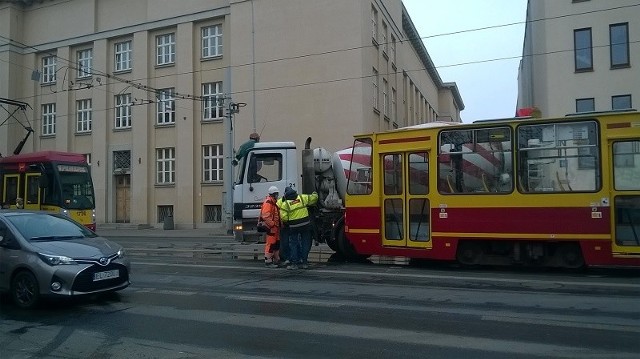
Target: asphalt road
224, 306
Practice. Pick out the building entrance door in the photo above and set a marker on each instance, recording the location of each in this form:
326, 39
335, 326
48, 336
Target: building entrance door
123, 197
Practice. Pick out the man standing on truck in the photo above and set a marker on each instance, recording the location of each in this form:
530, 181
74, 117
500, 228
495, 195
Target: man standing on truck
295, 215
245, 147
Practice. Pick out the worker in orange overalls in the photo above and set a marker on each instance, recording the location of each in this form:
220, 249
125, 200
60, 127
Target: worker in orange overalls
270, 215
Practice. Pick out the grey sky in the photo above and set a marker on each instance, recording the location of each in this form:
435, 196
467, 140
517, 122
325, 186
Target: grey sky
489, 89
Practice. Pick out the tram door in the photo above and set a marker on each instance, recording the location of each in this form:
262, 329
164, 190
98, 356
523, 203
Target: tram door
11, 189
405, 199
32, 191
625, 196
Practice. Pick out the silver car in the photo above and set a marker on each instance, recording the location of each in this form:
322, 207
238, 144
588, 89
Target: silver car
45, 254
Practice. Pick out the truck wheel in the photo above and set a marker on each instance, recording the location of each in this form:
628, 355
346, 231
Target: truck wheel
24, 290
346, 249
333, 244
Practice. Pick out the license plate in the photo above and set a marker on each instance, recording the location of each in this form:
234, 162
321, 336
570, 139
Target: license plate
106, 275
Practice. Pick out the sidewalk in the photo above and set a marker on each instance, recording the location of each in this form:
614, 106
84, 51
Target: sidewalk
113, 230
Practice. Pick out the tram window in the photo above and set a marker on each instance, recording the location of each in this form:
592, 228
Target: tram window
559, 157
418, 173
33, 189
475, 161
626, 165
359, 174
627, 220
11, 189
393, 219
392, 165
419, 219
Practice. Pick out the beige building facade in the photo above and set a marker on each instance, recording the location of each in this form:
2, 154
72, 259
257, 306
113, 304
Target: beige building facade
580, 56
144, 88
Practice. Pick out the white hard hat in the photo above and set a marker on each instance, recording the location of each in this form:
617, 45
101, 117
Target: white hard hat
273, 190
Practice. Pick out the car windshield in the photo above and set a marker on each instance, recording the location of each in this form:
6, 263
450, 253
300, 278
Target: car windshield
48, 227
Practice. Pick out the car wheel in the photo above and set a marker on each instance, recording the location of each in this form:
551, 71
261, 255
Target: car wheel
25, 290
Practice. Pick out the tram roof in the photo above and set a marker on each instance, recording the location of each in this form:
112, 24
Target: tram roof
45, 156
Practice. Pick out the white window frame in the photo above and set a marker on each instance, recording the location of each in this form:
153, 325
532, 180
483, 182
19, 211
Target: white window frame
385, 97
374, 25
83, 116
394, 104
374, 83
122, 111
165, 49
48, 119
385, 29
212, 163
49, 64
166, 109
212, 107
84, 62
166, 165
211, 41
122, 51
393, 49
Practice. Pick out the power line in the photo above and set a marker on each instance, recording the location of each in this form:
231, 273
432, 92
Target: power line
143, 87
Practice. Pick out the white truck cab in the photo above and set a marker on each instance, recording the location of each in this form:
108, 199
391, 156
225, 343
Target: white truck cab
267, 164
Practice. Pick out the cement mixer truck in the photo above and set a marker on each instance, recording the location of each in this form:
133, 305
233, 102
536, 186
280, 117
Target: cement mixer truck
276, 164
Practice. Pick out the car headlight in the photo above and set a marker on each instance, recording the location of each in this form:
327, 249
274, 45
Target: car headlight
121, 253
55, 260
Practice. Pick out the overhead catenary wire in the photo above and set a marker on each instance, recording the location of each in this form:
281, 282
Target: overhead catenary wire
134, 82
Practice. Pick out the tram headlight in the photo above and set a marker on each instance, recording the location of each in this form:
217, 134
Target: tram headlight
65, 212
93, 216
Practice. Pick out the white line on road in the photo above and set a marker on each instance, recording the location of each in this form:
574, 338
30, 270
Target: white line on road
411, 275
411, 337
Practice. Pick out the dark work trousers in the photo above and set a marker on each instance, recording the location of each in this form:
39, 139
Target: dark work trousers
299, 244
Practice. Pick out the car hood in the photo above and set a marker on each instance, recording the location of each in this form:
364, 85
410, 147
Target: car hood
96, 247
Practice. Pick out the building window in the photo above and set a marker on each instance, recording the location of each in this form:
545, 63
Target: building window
212, 106
123, 111
164, 212
621, 102
619, 39
374, 25
385, 97
393, 49
165, 165
123, 56
121, 160
585, 105
211, 41
212, 163
583, 50
166, 49
84, 58
374, 82
83, 115
212, 213
384, 38
49, 119
48, 70
394, 104
166, 107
